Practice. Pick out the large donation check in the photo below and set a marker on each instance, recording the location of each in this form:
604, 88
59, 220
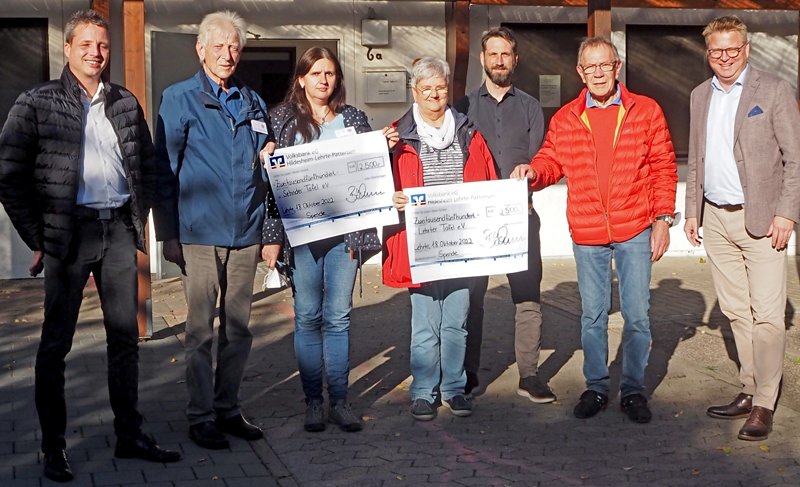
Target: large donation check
470, 229
333, 187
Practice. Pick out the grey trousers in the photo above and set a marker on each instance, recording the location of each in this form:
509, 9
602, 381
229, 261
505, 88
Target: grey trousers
228, 273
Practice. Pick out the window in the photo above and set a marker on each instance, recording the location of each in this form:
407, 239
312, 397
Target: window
25, 62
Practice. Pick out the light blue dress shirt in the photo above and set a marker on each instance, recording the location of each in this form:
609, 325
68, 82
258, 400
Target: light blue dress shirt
102, 182
616, 101
722, 185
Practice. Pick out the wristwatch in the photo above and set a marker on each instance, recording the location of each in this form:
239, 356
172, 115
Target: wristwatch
666, 218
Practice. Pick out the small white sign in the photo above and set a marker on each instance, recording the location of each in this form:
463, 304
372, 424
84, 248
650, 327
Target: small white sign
259, 126
386, 87
550, 90
345, 132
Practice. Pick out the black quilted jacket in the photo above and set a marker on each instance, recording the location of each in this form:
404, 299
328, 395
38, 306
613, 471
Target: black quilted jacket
40, 149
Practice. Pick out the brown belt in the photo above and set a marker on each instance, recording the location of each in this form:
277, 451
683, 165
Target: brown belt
725, 207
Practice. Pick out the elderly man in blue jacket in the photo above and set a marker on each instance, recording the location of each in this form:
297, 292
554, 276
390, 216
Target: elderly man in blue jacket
209, 213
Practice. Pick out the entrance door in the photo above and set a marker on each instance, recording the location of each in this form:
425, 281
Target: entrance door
666, 62
25, 63
548, 49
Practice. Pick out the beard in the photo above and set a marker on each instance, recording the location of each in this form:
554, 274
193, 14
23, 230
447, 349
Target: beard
499, 76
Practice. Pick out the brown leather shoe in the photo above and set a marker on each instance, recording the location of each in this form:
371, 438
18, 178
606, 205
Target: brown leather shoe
758, 426
739, 408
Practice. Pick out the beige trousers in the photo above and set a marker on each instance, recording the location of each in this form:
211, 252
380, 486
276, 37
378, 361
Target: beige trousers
750, 280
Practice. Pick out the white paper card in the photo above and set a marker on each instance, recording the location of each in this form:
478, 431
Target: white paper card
465, 230
259, 126
345, 132
333, 187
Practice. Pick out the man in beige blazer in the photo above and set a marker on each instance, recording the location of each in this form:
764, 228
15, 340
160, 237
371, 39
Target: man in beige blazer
743, 185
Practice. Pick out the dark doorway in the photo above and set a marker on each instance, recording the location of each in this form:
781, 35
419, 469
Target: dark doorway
26, 60
548, 49
268, 70
666, 62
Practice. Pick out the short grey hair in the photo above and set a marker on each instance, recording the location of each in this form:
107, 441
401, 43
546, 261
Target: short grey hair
430, 67
84, 17
597, 41
220, 20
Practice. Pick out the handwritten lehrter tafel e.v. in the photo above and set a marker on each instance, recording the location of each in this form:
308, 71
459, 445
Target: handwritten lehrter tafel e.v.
333, 187
469, 229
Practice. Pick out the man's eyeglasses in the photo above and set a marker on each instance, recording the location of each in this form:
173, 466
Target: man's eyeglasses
604, 67
427, 90
732, 52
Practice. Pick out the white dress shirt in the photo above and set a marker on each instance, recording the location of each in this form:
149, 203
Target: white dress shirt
722, 185
102, 182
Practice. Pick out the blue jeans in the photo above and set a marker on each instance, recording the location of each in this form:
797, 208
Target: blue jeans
633, 264
323, 276
439, 338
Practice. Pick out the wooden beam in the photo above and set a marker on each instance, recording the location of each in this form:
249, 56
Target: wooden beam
600, 18
712, 4
133, 34
458, 46
534, 3
103, 7
704, 4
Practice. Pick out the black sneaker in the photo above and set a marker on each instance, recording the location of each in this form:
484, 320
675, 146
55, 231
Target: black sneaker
472, 386
591, 403
341, 414
533, 389
315, 420
459, 406
423, 410
636, 407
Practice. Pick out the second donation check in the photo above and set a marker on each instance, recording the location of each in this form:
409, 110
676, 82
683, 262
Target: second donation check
333, 187
469, 229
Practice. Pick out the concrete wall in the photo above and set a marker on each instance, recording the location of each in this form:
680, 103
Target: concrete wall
417, 29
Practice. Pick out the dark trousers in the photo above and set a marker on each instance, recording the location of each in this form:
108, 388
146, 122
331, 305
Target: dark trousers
107, 249
525, 287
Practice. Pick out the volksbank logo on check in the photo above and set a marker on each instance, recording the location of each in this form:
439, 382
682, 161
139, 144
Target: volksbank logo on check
276, 162
418, 199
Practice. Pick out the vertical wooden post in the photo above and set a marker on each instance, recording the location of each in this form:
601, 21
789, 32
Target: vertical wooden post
600, 18
103, 7
458, 46
133, 32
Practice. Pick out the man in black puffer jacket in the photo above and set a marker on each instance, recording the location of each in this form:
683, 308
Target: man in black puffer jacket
77, 174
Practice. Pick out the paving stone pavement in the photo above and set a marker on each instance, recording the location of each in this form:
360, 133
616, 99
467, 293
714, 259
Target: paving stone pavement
507, 441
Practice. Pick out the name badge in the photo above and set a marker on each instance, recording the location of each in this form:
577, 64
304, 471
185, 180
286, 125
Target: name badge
259, 126
345, 132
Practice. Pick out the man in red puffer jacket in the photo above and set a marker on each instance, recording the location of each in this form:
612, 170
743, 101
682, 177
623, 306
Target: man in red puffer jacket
615, 150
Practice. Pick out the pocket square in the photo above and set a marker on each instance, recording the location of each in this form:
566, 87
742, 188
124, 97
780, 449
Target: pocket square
755, 111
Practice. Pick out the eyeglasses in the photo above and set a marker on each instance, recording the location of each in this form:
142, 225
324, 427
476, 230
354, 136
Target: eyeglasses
604, 67
732, 52
426, 91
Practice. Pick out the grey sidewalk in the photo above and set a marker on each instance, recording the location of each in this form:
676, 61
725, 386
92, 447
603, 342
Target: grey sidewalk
507, 441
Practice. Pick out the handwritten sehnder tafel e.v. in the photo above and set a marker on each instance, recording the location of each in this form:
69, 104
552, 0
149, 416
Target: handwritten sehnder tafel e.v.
333, 187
